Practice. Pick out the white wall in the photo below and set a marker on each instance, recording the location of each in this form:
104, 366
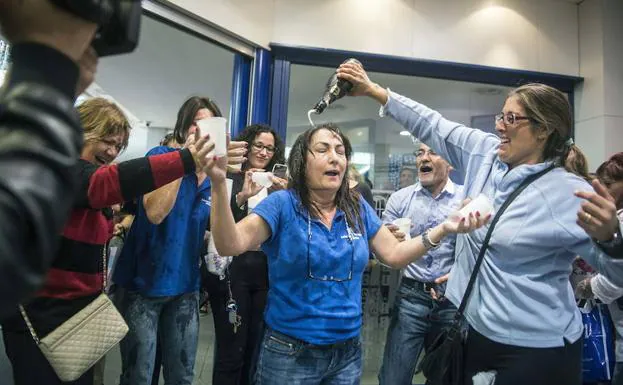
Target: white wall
251, 20
599, 118
540, 35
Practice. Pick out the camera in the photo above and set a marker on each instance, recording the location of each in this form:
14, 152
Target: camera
119, 22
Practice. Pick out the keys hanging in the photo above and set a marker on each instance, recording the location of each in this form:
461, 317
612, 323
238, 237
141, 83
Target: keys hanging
232, 309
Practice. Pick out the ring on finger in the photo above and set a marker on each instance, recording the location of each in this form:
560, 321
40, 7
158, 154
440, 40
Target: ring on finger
588, 217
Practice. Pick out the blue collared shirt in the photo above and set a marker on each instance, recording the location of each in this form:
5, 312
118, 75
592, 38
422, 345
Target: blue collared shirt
163, 260
425, 211
317, 311
522, 296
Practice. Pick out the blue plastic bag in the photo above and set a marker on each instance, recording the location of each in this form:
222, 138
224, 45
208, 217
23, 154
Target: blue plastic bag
598, 356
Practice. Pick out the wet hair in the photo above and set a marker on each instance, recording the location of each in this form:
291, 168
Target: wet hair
187, 112
549, 111
577, 163
346, 199
611, 171
251, 132
102, 118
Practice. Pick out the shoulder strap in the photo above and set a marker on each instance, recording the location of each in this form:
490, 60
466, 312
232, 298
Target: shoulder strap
485, 243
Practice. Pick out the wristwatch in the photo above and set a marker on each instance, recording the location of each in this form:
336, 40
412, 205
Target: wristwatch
613, 247
428, 244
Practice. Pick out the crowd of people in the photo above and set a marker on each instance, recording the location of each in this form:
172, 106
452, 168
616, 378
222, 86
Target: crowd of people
288, 308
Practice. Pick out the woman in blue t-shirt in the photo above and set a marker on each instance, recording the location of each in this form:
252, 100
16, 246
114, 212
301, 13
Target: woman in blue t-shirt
317, 236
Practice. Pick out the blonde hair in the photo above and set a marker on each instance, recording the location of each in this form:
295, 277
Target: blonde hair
102, 118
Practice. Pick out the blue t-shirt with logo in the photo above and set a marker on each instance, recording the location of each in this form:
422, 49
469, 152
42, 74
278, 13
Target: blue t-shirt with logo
163, 260
315, 284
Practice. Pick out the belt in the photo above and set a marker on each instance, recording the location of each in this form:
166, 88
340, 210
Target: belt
418, 285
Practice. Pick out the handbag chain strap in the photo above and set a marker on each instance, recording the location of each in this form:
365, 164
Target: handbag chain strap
485, 244
104, 282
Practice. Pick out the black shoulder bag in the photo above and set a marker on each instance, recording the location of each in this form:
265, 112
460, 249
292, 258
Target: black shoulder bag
443, 363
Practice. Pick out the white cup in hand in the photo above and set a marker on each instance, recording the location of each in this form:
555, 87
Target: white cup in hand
404, 225
480, 204
217, 128
262, 178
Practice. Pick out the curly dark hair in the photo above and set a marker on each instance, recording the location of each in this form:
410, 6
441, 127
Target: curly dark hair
346, 199
251, 132
187, 112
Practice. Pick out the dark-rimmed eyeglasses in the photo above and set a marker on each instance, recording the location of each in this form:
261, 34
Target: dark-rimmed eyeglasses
311, 275
259, 147
509, 119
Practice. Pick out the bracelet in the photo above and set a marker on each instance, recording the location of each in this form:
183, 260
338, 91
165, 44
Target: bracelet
428, 244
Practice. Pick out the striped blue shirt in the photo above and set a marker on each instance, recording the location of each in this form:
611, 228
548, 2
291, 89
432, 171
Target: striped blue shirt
425, 211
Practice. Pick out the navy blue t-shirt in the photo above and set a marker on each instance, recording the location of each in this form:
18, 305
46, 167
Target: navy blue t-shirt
163, 260
311, 296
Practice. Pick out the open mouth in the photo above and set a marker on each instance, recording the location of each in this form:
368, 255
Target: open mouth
505, 140
425, 169
332, 173
100, 161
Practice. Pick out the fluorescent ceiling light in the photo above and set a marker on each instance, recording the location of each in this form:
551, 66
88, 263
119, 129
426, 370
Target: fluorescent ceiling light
405, 133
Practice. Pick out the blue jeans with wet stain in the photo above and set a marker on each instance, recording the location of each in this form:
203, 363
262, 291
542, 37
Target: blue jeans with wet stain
286, 360
176, 320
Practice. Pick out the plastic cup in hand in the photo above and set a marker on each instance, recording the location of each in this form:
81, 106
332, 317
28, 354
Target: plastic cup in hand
404, 225
262, 178
217, 128
480, 204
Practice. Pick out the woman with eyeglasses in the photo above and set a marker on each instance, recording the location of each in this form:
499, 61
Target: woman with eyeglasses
524, 325
317, 236
242, 291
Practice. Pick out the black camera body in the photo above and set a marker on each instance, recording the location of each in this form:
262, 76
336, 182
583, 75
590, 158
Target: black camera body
119, 22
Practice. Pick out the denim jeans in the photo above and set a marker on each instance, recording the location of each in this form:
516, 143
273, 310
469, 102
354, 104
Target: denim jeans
176, 321
416, 320
286, 360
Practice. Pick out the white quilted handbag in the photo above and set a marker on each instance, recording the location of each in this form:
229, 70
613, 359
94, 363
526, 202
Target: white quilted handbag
76, 345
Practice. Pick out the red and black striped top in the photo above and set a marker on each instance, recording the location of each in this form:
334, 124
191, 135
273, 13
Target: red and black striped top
75, 278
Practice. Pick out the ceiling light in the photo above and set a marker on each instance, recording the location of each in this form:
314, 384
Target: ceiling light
405, 133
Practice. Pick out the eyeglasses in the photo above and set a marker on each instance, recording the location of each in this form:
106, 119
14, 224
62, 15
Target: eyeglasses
510, 118
421, 153
311, 275
259, 147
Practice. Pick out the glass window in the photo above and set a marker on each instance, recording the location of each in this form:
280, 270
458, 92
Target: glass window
381, 145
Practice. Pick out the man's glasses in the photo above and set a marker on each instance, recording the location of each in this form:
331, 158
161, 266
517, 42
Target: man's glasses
311, 275
259, 147
510, 118
421, 153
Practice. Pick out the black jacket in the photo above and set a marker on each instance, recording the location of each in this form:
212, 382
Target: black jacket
40, 144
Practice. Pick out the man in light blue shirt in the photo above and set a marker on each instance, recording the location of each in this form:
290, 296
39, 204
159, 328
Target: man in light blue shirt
417, 316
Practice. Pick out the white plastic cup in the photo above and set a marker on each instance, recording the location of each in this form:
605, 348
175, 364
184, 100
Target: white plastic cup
404, 225
217, 128
480, 204
262, 178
